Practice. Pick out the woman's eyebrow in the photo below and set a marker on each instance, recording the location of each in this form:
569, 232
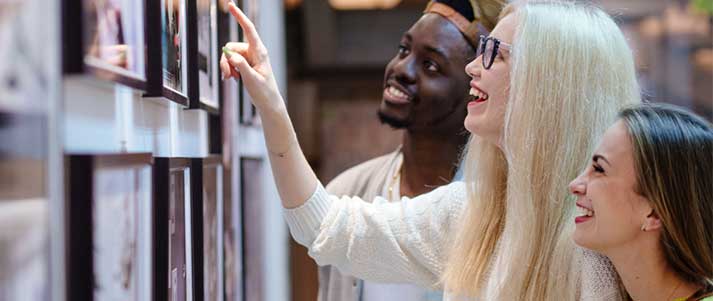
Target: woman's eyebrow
596, 158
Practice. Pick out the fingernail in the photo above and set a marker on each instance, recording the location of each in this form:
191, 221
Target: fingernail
232, 2
227, 52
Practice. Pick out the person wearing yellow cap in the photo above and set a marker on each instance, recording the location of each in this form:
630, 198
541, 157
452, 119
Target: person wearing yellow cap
425, 94
547, 82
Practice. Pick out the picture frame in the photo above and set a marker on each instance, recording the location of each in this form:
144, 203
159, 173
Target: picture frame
204, 56
106, 39
207, 227
168, 50
109, 224
174, 192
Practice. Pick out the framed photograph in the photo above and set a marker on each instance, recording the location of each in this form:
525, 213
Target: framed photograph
204, 56
168, 50
109, 227
208, 222
175, 244
106, 38
26, 71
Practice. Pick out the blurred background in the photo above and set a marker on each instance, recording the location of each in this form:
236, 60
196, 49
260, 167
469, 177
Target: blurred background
337, 50
329, 58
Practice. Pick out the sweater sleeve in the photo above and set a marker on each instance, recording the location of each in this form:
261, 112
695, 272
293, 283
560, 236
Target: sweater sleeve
402, 241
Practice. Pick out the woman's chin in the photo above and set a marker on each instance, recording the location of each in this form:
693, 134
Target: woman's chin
580, 239
476, 126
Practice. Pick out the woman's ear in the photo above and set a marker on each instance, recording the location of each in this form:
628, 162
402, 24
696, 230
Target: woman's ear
653, 222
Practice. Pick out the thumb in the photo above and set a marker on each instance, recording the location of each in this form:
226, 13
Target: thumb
239, 62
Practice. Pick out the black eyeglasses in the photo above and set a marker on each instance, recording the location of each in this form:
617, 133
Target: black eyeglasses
488, 47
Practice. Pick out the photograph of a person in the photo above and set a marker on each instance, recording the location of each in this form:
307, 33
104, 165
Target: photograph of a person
207, 52
174, 40
114, 36
121, 246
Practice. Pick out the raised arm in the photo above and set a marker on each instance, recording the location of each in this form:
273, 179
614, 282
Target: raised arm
248, 60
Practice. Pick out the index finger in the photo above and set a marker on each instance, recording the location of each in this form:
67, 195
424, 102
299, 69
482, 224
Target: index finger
248, 27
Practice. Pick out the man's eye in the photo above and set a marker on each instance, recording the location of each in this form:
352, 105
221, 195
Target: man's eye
431, 66
403, 50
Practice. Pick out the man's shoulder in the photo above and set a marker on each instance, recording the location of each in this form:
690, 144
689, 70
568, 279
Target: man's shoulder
354, 179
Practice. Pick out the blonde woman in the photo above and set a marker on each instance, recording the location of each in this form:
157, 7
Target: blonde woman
547, 82
647, 202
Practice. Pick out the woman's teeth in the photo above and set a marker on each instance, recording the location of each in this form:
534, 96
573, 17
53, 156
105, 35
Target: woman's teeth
585, 212
479, 95
395, 92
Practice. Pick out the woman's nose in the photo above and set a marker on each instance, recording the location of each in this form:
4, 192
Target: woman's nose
578, 186
474, 67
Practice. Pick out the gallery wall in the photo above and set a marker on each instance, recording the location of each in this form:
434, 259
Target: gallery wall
82, 114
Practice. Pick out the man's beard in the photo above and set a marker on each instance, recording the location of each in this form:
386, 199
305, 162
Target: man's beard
393, 122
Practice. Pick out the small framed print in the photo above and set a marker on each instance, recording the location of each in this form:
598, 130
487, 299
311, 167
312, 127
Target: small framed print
203, 56
109, 227
174, 268
168, 50
105, 38
209, 223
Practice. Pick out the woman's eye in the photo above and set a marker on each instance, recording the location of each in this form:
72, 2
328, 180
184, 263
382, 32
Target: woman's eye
597, 168
431, 66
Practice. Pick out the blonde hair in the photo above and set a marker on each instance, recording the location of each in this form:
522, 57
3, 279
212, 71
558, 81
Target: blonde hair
673, 159
572, 71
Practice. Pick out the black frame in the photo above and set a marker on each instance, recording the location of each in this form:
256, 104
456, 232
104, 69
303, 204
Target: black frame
481, 50
163, 167
79, 220
154, 62
73, 61
194, 62
197, 226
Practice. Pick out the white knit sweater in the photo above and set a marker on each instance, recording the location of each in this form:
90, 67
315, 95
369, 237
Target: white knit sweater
410, 237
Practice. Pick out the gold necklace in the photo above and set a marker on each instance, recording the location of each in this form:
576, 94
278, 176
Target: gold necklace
393, 180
